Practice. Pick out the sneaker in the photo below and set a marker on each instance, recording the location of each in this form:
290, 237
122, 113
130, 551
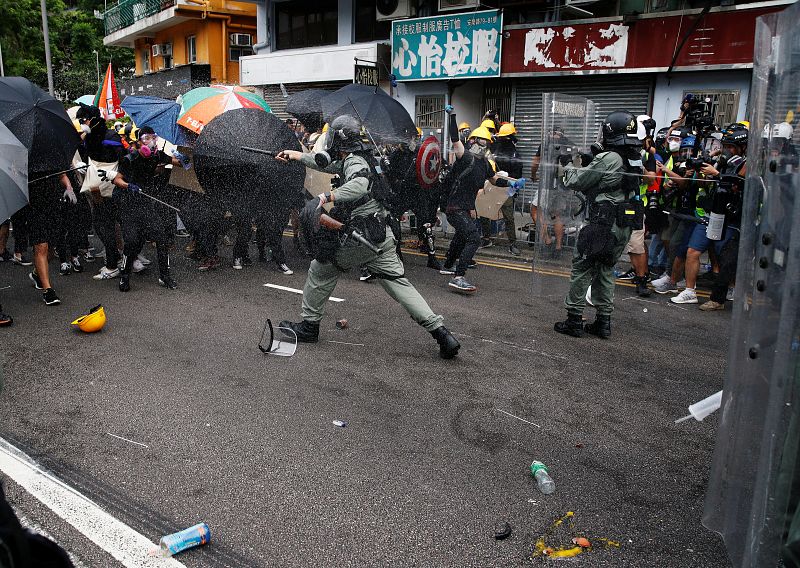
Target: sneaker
514, 250
50, 297
100, 254
472, 264
6, 255
167, 282
36, 282
366, 275
88, 256
711, 306
209, 263
285, 269
447, 270
138, 265
182, 233
247, 261
106, 274
664, 279
629, 275
665, 287
729, 295
681, 284
194, 255
460, 284
143, 259
21, 260
65, 269
686, 297
77, 266
237, 263
125, 283
485, 243
265, 256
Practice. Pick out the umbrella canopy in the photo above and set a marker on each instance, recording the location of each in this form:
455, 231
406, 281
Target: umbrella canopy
85, 99
161, 115
40, 122
13, 173
386, 119
227, 172
306, 106
202, 105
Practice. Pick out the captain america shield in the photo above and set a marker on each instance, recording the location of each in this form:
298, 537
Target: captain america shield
429, 162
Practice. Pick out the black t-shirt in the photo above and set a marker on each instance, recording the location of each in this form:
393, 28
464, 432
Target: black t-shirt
102, 146
466, 186
142, 171
507, 159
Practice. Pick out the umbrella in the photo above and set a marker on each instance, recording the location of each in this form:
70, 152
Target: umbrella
386, 119
85, 99
13, 173
306, 106
40, 122
226, 171
202, 105
159, 114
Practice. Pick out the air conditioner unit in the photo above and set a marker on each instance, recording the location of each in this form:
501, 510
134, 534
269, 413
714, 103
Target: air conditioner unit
166, 49
242, 40
156, 50
449, 5
392, 9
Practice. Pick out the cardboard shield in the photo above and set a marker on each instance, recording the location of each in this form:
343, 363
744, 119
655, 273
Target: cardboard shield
428, 162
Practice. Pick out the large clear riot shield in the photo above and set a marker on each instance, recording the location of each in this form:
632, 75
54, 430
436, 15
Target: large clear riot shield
754, 485
568, 130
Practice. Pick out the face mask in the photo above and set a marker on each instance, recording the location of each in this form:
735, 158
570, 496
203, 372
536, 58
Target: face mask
727, 154
674, 145
477, 150
145, 151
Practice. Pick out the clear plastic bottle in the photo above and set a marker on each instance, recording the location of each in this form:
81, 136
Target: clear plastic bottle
543, 480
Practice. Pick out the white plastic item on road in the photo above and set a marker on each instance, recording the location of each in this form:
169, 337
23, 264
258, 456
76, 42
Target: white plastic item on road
699, 410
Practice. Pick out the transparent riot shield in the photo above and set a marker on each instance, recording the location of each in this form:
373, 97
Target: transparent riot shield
276, 340
568, 127
754, 483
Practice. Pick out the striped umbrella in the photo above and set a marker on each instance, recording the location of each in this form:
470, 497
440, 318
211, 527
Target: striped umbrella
200, 106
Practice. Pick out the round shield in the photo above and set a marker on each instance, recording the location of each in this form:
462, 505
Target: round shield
429, 162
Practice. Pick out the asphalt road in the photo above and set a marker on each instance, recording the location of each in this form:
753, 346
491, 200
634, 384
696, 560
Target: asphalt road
434, 453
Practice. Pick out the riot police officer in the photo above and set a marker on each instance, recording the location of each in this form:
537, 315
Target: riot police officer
609, 181
349, 155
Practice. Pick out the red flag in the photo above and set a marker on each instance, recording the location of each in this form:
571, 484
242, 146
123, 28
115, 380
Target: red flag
107, 97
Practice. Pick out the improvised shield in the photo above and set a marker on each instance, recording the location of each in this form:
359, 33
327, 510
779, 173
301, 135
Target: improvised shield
568, 131
429, 162
284, 344
754, 479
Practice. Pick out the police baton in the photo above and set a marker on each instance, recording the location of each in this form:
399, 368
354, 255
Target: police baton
259, 151
83, 167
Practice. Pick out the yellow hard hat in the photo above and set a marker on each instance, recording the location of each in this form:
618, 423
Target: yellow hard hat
419, 131
464, 126
507, 129
745, 123
77, 125
481, 132
325, 127
93, 321
488, 124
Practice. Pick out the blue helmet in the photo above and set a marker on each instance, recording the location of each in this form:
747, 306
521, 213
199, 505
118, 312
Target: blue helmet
688, 142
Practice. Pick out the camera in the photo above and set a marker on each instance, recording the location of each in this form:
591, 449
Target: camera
697, 112
696, 163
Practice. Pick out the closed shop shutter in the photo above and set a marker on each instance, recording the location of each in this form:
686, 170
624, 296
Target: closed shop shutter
277, 102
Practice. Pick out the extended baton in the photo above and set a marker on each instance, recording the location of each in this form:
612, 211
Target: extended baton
259, 151
58, 173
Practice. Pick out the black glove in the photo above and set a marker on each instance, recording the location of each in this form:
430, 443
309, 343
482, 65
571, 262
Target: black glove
586, 159
564, 160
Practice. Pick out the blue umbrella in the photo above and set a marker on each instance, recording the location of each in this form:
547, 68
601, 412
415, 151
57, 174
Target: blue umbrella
160, 115
86, 100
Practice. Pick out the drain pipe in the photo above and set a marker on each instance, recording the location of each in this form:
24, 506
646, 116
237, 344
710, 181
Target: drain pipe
262, 27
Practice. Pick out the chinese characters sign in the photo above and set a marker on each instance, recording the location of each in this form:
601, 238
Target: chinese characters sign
447, 47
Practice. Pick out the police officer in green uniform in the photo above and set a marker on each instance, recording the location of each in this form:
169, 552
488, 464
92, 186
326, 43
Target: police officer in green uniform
349, 156
612, 215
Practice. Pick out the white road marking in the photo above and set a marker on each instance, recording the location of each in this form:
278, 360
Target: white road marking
296, 291
517, 417
345, 343
119, 540
127, 440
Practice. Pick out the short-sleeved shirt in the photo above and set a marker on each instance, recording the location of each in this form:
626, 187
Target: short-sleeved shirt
466, 187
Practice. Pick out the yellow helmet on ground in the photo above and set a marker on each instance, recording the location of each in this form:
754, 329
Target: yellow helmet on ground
488, 124
507, 129
481, 132
464, 126
93, 321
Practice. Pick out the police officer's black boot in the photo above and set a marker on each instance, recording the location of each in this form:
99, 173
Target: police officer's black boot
573, 325
306, 331
601, 327
164, 278
448, 345
641, 286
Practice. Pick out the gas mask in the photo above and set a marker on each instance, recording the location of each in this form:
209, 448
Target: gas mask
322, 159
478, 148
674, 145
145, 151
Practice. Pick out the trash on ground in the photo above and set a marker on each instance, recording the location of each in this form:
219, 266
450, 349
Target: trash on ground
339, 423
502, 530
543, 480
582, 541
644, 310
341, 324
177, 542
699, 410
565, 543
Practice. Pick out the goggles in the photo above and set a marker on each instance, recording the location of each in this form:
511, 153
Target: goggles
483, 143
149, 138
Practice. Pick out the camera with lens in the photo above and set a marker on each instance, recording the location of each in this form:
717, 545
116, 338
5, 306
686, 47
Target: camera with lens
696, 163
697, 112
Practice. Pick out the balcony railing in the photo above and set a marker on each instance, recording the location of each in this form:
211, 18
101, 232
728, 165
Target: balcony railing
128, 12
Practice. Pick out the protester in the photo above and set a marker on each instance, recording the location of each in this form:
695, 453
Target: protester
504, 153
557, 207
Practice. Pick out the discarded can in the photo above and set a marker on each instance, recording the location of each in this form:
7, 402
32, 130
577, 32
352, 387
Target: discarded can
339, 423
188, 538
341, 324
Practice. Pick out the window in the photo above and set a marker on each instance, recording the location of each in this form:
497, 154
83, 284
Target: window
429, 111
498, 97
301, 26
191, 49
367, 27
724, 105
146, 60
167, 62
234, 53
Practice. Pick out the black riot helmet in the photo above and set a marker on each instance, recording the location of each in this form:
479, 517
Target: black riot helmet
344, 135
736, 136
620, 129
661, 136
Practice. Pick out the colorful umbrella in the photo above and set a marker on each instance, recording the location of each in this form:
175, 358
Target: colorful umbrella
107, 97
200, 106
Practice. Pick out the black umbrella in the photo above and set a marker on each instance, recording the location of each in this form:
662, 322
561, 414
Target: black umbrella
40, 122
386, 119
226, 171
306, 106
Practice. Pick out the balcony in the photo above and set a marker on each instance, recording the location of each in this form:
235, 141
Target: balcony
128, 12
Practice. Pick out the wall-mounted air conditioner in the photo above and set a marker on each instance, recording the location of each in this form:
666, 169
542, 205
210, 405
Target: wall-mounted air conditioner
242, 40
392, 9
448, 5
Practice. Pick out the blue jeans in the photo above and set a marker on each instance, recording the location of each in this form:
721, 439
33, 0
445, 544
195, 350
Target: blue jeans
657, 255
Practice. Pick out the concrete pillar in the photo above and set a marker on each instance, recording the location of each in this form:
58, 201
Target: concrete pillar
345, 22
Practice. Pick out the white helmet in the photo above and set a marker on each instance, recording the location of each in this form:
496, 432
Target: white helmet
783, 130
645, 126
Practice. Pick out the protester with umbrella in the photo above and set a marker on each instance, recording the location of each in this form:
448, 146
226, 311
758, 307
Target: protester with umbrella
13, 183
370, 241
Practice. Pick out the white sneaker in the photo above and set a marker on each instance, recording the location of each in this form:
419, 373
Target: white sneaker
106, 274
143, 259
686, 297
681, 284
285, 269
729, 295
660, 281
138, 265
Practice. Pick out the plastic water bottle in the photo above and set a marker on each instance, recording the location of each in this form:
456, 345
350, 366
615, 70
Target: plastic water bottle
177, 542
543, 480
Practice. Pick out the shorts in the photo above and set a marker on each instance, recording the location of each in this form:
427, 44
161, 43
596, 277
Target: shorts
668, 232
44, 214
635, 243
700, 242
